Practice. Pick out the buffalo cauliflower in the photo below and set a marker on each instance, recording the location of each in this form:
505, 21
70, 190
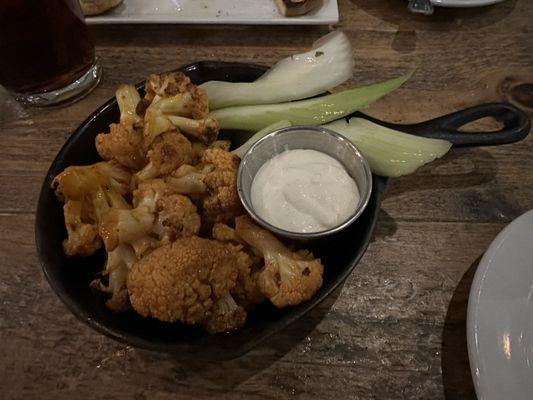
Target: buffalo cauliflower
119, 226
246, 291
124, 142
182, 281
114, 277
177, 217
166, 84
226, 315
168, 152
215, 178
148, 192
167, 181
189, 179
89, 193
83, 239
222, 203
177, 103
288, 278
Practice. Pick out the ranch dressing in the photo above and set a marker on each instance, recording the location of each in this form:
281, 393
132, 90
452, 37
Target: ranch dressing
304, 191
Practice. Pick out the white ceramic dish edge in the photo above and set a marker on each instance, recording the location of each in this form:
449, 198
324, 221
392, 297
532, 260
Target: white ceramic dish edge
464, 3
500, 315
244, 12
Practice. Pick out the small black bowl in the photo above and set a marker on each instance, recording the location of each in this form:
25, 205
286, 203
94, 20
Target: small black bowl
70, 277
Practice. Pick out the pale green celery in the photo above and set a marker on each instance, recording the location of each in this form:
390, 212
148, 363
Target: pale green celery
328, 64
262, 133
389, 152
315, 111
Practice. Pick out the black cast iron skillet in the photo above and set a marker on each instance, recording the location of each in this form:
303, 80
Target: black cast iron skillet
70, 278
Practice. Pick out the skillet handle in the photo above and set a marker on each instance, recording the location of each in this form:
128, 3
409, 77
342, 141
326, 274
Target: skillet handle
516, 126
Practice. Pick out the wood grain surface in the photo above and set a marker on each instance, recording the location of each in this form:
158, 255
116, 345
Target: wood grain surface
396, 329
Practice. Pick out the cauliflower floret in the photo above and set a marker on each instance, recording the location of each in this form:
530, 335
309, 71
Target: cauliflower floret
288, 278
177, 217
204, 130
128, 99
221, 159
124, 144
222, 204
189, 179
82, 239
184, 98
90, 192
199, 148
226, 316
246, 292
166, 84
182, 281
168, 152
81, 182
216, 179
225, 233
125, 226
118, 264
176, 103
148, 192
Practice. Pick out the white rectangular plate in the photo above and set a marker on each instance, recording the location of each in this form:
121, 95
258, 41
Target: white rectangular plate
247, 12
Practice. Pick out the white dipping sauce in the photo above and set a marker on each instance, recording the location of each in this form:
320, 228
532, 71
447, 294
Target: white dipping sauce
304, 191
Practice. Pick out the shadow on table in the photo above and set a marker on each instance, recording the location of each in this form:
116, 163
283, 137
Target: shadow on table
441, 173
456, 376
224, 376
204, 36
444, 19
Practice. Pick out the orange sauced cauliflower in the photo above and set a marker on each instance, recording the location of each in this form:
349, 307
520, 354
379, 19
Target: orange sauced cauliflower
164, 207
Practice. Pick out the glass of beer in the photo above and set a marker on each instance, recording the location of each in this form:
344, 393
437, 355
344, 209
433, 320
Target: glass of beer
46, 52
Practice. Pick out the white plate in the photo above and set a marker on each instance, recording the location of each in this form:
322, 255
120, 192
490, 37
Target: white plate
464, 3
249, 12
500, 316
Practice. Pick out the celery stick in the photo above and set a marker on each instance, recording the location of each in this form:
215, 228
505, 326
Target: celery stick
328, 64
263, 132
389, 152
315, 111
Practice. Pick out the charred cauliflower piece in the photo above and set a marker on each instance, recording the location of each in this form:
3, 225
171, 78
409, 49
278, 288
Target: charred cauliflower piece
189, 179
288, 278
183, 280
226, 316
148, 192
174, 102
90, 192
204, 130
225, 233
215, 178
246, 292
119, 226
177, 217
83, 239
115, 274
168, 152
222, 203
124, 142
166, 84
199, 148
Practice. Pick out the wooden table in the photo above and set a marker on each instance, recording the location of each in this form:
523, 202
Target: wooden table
396, 330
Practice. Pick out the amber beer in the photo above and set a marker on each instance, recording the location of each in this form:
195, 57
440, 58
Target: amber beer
45, 49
